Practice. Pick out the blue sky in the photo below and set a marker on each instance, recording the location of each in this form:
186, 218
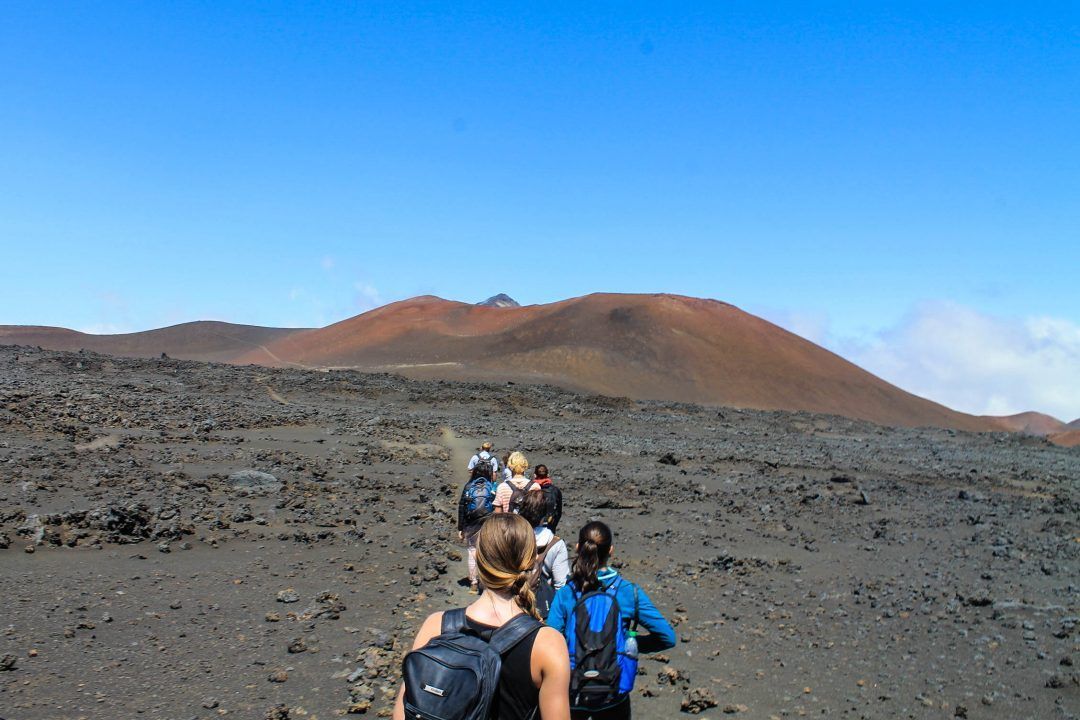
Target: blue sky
854, 173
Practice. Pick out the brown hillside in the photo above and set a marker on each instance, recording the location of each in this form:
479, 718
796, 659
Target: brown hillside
209, 341
1032, 423
1068, 438
641, 346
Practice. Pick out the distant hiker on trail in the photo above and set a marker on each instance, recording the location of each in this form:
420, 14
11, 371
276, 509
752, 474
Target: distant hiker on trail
494, 658
483, 462
552, 494
511, 493
598, 613
552, 558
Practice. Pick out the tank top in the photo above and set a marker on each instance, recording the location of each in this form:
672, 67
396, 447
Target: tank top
517, 697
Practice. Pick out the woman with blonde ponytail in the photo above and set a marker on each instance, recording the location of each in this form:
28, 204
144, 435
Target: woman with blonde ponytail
534, 679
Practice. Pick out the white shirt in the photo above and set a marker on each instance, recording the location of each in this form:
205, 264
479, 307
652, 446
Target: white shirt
484, 455
557, 560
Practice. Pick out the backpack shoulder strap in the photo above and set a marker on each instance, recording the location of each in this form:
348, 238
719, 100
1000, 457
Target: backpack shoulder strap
513, 632
453, 621
541, 555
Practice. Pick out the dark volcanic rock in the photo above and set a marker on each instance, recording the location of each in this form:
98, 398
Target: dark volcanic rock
936, 570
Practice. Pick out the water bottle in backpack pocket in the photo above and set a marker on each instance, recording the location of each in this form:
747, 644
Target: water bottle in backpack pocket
602, 667
456, 675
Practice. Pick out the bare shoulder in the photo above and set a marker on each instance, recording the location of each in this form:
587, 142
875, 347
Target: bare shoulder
432, 626
550, 658
550, 640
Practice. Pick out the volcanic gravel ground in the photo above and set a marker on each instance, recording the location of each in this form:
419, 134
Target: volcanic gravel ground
188, 540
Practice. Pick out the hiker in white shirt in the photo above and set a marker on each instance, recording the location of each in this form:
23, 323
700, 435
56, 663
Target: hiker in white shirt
484, 456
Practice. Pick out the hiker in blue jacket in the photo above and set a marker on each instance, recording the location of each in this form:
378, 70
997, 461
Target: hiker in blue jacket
572, 610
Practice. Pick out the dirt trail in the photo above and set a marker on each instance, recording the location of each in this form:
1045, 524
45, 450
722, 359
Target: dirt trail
461, 449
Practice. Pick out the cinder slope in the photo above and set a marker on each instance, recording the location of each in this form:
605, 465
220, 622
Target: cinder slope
1032, 423
641, 346
1068, 438
209, 341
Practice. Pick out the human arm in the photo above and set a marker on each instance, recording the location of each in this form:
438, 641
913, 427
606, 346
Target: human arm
661, 635
550, 655
461, 512
556, 619
431, 627
502, 497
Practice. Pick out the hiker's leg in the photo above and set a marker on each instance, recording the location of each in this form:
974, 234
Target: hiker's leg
471, 540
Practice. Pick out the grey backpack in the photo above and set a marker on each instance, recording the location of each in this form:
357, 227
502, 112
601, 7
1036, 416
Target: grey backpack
455, 676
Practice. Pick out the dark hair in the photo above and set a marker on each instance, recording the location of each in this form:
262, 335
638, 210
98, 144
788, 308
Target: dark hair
534, 508
594, 549
541, 471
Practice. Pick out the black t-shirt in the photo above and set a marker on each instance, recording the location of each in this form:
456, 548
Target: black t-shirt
517, 697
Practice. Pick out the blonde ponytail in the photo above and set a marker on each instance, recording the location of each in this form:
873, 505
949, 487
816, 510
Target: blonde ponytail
526, 598
505, 555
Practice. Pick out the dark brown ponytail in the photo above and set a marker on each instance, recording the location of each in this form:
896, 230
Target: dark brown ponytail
594, 549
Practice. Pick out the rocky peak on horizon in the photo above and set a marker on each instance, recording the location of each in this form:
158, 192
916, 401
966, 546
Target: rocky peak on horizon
501, 300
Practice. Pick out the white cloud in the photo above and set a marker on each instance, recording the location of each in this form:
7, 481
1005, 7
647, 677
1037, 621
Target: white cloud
975, 362
814, 326
367, 296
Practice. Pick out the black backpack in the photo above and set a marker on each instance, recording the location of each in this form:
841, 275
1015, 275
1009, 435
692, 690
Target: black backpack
455, 676
553, 496
517, 497
484, 467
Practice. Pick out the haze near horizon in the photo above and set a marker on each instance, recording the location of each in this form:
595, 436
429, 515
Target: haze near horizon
901, 186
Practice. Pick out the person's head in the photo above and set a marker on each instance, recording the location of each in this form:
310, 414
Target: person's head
517, 463
486, 447
541, 472
534, 508
505, 554
593, 553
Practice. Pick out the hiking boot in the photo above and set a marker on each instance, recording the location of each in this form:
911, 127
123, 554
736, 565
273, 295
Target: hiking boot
474, 589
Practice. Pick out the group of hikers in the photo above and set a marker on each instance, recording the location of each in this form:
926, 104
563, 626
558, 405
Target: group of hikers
548, 636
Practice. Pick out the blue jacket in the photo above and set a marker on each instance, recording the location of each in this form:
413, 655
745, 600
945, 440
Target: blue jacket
661, 635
